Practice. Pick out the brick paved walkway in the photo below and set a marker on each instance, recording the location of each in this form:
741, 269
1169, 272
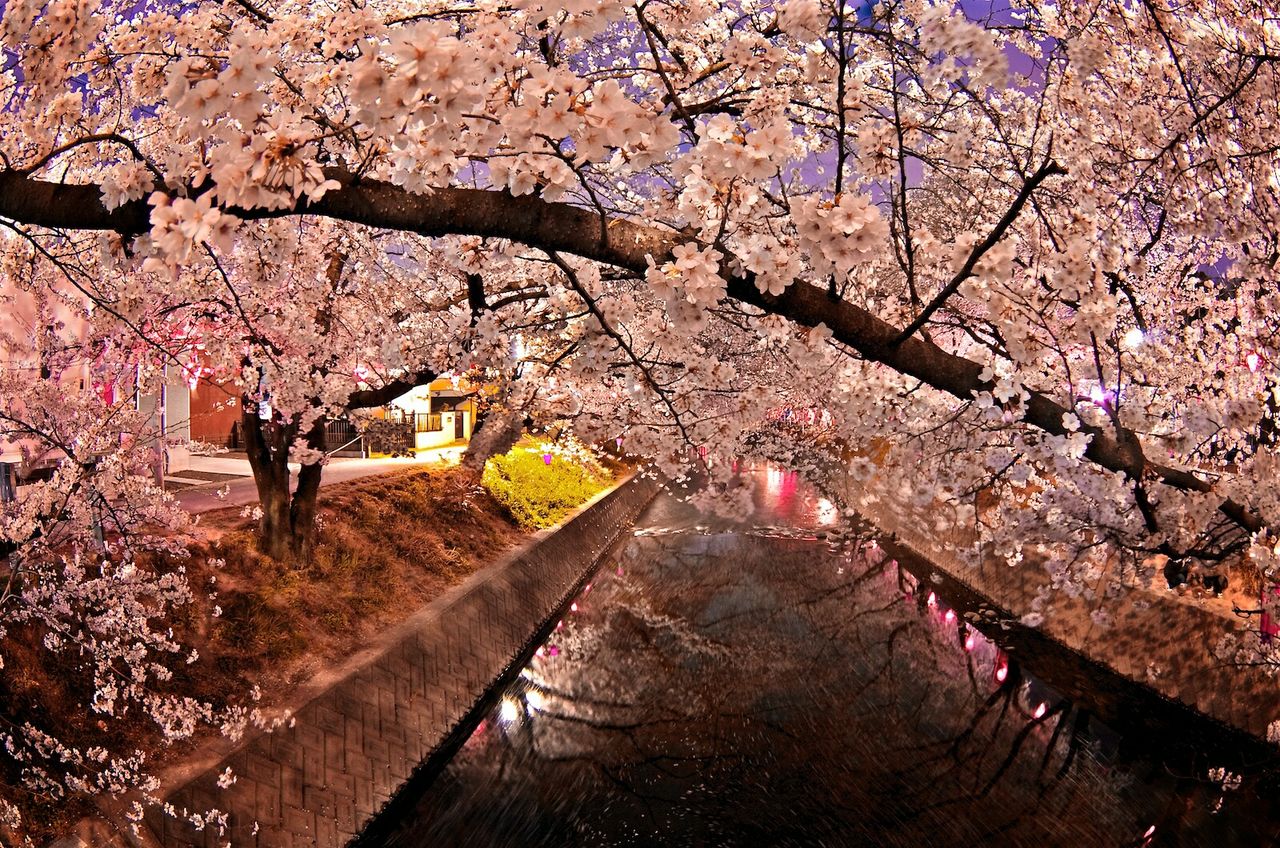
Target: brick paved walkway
320, 781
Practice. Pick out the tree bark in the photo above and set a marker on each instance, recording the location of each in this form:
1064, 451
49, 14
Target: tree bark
302, 511
286, 530
270, 467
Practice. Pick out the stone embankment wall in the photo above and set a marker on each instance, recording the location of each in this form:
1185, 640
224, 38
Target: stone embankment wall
1151, 637
320, 781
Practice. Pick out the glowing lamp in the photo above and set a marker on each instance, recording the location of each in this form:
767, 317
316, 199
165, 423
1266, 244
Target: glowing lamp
933, 600
1101, 397
1040, 710
970, 641
1002, 671
510, 711
573, 607
950, 617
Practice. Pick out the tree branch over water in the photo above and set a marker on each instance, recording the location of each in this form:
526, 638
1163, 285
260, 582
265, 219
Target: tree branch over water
561, 227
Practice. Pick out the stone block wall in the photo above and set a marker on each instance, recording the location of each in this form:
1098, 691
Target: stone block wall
318, 782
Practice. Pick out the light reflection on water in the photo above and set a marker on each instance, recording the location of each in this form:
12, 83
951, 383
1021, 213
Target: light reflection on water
754, 685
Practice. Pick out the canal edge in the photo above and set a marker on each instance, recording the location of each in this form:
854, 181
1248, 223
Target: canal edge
352, 746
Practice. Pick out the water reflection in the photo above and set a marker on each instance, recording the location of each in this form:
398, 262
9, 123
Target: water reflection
737, 685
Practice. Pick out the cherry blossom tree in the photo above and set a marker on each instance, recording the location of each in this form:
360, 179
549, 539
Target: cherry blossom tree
1029, 251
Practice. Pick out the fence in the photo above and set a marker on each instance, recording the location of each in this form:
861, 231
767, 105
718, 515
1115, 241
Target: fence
342, 435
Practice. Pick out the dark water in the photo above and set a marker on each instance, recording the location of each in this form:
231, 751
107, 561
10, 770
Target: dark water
757, 685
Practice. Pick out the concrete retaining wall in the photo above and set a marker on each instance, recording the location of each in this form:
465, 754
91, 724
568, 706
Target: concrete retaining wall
1154, 639
320, 781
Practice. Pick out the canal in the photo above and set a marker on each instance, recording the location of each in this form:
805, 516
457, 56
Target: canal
757, 684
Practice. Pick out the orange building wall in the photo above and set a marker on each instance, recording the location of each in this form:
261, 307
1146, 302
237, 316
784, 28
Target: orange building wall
215, 408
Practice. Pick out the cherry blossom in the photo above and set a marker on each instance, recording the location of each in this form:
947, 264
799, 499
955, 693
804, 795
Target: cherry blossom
1029, 253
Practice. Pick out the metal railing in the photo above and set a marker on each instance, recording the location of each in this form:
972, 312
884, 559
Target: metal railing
340, 435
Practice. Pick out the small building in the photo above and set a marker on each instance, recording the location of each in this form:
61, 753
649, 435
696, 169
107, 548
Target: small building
442, 413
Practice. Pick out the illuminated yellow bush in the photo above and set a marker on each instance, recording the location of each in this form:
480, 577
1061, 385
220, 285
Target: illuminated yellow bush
538, 494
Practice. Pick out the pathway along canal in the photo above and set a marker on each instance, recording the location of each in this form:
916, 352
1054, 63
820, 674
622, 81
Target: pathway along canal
752, 684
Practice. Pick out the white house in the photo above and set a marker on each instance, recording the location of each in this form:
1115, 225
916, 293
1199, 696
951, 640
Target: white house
442, 413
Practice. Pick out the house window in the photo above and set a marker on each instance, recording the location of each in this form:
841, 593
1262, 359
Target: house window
428, 422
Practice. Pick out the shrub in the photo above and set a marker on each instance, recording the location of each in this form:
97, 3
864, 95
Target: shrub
539, 495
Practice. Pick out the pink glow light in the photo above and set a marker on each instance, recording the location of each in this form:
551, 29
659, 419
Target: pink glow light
1040, 710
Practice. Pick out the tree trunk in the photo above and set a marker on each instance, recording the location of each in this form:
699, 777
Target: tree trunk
302, 511
286, 530
500, 432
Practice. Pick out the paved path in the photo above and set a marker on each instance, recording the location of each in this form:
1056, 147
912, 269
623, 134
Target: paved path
242, 492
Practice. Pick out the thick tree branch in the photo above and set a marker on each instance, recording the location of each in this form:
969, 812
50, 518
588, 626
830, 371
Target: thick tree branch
560, 227
369, 398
